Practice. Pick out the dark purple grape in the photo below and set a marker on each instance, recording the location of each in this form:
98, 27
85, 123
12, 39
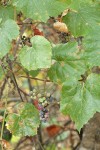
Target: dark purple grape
50, 99
41, 112
44, 114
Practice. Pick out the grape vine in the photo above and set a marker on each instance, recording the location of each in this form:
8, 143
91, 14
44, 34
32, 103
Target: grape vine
60, 41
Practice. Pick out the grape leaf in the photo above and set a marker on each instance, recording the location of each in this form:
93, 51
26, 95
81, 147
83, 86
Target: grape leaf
8, 31
61, 71
69, 63
81, 100
25, 122
83, 19
37, 56
97, 1
34, 73
41, 9
66, 52
91, 46
76, 5
6, 13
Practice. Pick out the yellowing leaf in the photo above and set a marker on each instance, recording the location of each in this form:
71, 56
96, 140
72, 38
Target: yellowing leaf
25, 122
60, 27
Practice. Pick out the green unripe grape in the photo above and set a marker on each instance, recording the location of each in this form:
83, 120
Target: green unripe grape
39, 95
34, 90
31, 97
34, 97
41, 100
33, 94
45, 104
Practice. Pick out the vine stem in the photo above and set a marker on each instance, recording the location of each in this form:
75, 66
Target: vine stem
35, 78
2, 129
14, 79
2, 88
40, 145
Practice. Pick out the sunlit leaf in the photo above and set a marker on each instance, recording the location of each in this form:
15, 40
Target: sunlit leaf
6, 13
83, 18
81, 100
41, 9
37, 56
69, 63
8, 31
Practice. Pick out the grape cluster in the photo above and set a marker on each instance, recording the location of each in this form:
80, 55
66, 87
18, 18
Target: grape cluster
44, 113
43, 102
33, 94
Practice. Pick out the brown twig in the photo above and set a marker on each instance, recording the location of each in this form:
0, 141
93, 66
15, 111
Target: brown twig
36, 79
29, 82
40, 137
26, 94
6, 74
2, 88
14, 79
17, 86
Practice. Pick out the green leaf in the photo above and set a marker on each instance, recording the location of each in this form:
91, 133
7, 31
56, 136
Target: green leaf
25, 122
66, 52
41, 9
34, 73
91, 46
75, 5
61, 72
8, 31
0, 20
84, 18
69, 63
37, 56
81, 100
6, 13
